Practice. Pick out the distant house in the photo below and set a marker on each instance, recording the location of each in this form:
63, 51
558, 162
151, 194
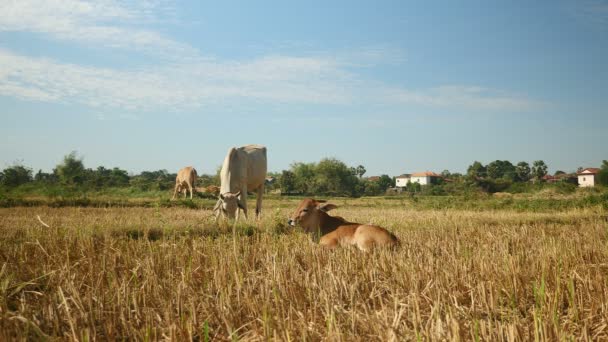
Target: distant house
425, 178
563, 177
269, 180
373, 178
401, 181
550, 179
588, 177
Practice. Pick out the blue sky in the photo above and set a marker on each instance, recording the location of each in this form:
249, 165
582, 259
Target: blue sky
397, 86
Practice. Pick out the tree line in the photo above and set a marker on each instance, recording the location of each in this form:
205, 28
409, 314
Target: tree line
71, 172
331, 176
328, 177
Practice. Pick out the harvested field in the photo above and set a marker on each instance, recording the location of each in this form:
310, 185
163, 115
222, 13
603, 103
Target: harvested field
172, 273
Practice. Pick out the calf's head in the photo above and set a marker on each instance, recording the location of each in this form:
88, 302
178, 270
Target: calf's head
308, 214
229, 203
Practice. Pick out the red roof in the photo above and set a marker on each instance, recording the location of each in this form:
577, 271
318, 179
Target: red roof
425, 174
589, 170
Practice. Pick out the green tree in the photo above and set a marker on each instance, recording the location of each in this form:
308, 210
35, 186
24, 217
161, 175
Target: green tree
539, 169
360, 171
501, 169
287, 181
45, 177
71, 171
334, 177
603, 174
304, 174
119, 178
102, 177
456, 176
154, 180
372, 188
413, 187
16, 175
476, 171
522, 170
385, 182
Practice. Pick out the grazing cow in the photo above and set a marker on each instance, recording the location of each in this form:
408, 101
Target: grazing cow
335, 231
185, 180
244, 170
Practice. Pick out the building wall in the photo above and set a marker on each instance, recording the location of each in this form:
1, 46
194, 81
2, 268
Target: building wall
401, 182
424, 180
586, 180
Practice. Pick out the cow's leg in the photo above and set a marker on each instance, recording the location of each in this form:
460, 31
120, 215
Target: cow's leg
329, 241
258, 203
243, 201
217, 210
190, 187
175, 191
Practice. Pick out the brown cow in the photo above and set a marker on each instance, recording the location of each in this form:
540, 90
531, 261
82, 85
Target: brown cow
335, 231
185, 180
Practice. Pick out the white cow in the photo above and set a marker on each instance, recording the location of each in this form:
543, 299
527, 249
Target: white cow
244, 169
185, 180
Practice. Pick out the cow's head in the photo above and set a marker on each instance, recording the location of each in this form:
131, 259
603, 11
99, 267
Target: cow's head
308, 213
229, 203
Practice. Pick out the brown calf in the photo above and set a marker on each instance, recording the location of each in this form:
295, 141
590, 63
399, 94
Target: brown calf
335, 231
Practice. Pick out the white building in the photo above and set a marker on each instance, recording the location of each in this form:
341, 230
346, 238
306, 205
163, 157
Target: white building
424, 178
401, 181
588, 177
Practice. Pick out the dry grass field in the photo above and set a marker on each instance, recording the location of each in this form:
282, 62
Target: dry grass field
171, 273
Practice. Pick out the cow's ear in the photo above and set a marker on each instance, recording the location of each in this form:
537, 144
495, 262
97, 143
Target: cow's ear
327, 207
240, 205
222, 197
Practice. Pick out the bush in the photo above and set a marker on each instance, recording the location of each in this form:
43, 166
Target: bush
565, 188
15, 176
492, 186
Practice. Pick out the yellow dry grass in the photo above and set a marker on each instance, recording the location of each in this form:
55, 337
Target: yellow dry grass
171, 273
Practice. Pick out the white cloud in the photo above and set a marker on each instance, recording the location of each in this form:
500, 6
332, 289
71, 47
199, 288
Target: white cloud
102, 23
286, 79
189, 80
272, 79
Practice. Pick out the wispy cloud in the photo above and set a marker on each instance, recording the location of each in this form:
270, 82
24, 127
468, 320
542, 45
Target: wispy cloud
593, 12
286, 79
274, 79
104, 23
463, 96
190, 80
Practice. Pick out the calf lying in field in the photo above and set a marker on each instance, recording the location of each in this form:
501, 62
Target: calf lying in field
335, 231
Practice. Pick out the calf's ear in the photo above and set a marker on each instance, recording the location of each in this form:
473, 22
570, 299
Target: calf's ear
327, 207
